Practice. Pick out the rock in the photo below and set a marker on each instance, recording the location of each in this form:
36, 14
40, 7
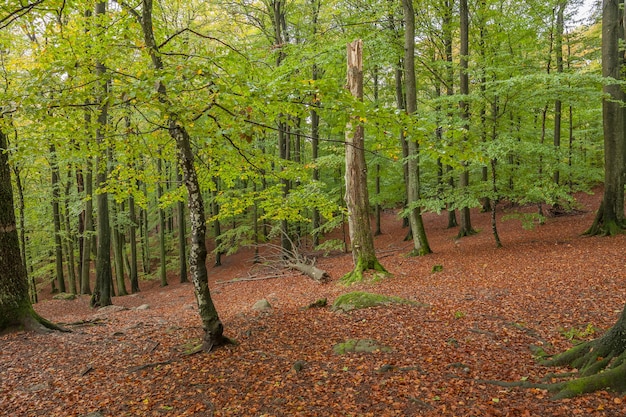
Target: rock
110, 309
359, 346
262, 305
64, 296
298, 366
143, 307
94, 414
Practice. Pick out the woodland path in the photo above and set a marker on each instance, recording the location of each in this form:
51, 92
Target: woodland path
485, 308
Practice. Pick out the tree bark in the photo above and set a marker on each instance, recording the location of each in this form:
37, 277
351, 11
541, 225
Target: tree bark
465, 223
609, 219
357, 199
56, 218
182, 234
420, 241
15, 306
104, 275
213, 328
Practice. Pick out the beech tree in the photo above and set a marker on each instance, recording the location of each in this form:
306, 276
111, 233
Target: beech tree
15, 306
357, 201
601, 363
609, 219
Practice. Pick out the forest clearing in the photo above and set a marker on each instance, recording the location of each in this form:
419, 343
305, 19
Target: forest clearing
478, 314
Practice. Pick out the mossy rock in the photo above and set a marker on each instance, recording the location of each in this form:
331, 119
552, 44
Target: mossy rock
360, 346
358, 299
64, 296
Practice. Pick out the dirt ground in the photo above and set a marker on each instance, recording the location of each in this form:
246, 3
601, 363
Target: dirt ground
548, 286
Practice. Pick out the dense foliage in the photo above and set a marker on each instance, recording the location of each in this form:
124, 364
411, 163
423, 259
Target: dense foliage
248, 79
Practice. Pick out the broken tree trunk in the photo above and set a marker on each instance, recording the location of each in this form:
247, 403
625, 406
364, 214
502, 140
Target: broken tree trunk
310, 270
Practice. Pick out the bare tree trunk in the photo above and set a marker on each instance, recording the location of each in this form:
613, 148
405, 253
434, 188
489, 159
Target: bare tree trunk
56, 218
357, 199
420, 242
610, 216
104, 275
213, 328
465, 221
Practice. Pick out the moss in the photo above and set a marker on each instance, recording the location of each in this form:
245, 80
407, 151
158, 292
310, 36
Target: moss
358, 299
362, 265
360, 346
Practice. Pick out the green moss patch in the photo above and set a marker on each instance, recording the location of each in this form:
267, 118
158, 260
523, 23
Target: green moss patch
358, 299
359, 346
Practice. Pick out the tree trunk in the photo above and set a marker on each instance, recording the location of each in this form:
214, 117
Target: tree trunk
465, 221
134, 276
102, 291
357, 200
609, 219
420, 242
15, 307
70, 236
56, 218
162, 251
213, 328
182, 233
447, 41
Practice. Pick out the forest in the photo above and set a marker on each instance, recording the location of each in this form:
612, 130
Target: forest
203, 156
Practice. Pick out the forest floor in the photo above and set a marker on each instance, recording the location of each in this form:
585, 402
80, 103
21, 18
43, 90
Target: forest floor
548, 286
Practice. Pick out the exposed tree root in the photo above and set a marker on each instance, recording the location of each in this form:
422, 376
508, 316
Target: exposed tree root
601, 365
357, 274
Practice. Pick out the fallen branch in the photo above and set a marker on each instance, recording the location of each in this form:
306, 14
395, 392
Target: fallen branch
148, 365
311, 271
253, 278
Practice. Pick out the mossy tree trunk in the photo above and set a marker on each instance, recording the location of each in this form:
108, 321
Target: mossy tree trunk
357, 198
601, 363
15, 307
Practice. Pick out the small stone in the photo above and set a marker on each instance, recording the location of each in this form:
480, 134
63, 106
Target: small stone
143, 307
262, 305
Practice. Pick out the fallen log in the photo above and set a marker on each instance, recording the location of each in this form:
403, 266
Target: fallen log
311, 271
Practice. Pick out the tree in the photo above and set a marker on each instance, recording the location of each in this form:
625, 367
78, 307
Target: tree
104, 274
213, 328
601, 363
357, 200
420, 242
609, 219
465, 222
15, 306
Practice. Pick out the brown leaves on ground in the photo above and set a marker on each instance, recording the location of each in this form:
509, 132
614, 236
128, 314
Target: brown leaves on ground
485, 308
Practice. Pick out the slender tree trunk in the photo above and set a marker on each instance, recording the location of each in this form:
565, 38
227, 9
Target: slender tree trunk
182, 233
118, 251
420, 242
357, 199
56, 218
134, 275
162, 251
557, 103
69, 239
465, 220
104, 275
213, 328
447, 41
217, 226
